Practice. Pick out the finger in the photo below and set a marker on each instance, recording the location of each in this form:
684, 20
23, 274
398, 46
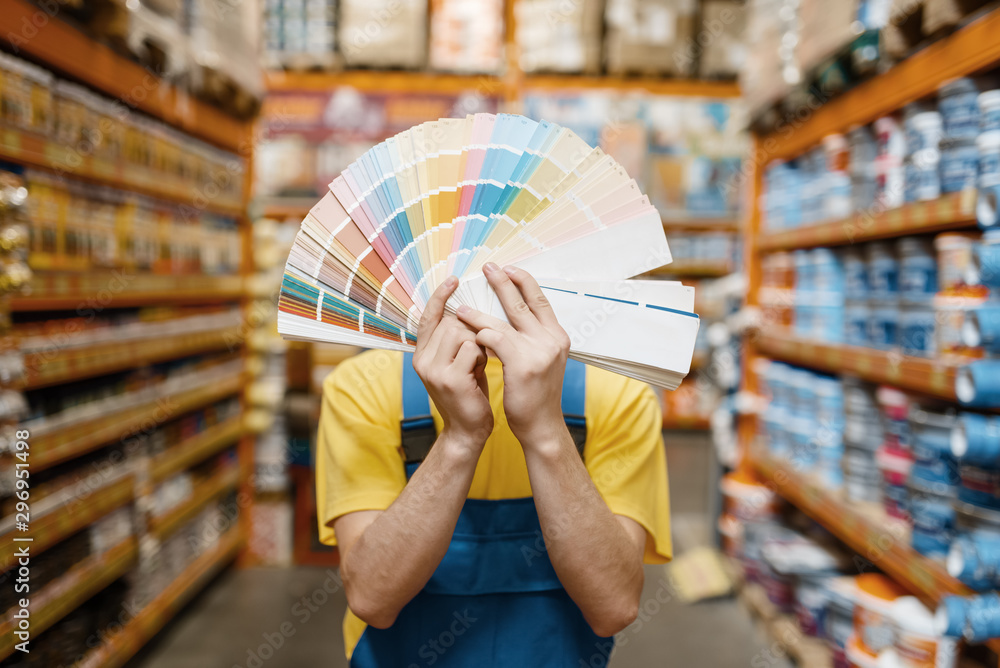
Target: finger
470, 356
510, 298
431, 317
478, 320
499, 342
450, 335
533, 296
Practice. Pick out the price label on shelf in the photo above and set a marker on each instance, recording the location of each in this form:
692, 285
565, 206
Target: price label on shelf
920, 574
11, 142
894, 220
863, 364
938, 379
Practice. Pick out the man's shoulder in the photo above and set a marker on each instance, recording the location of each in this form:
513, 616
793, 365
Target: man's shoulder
368, 369
607, 390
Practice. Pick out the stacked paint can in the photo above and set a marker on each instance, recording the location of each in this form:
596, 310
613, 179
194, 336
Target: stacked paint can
894, 457
804, 421
862, 438
933, 481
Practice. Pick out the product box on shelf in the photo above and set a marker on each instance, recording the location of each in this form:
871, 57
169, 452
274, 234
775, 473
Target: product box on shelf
556, 36
466, 36
383, 33
721, 38
826, 28
649, 36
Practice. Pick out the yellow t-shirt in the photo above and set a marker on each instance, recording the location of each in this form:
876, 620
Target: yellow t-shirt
359, 463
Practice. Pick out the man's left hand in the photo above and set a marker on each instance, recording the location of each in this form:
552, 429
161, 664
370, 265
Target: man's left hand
532, 347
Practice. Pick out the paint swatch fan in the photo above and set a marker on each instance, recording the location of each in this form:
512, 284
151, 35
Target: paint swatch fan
444, 198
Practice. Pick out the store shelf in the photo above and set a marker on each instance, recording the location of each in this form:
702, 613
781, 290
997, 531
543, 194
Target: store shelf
162, 526
686, 422
52, 291
690, 269
730, 225
492, 85
926, 578
296, 209
951, 212
196, 449
71, 52
35, 151
52, 367
65, 518
784, 630
384, 81
926, 376
653, 85
69, 591
83, 436
968, 50
119, 648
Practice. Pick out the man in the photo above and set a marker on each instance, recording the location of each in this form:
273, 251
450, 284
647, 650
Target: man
506, 543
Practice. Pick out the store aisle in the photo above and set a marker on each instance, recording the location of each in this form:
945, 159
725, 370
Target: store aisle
284, 618
290, 618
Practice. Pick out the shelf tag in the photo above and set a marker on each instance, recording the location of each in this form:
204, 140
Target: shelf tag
938, 379
12, 142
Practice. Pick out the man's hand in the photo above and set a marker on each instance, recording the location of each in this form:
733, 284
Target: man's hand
533, 349
453, 367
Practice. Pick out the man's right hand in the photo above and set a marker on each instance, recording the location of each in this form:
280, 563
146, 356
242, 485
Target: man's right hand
453, 368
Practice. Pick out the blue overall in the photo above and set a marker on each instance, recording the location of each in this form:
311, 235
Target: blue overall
495, 600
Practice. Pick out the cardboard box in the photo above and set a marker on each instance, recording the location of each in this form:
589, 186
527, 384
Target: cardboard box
559, 36
383, 33
945, 15
649, 37
826, 28
720, 41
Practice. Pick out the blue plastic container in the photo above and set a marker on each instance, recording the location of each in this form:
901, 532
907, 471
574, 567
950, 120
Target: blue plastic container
959, 165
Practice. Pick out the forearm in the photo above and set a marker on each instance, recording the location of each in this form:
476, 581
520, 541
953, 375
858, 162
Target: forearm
596, 559
396, 555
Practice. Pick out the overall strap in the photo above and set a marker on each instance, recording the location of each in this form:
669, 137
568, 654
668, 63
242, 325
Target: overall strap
417, 429
574, 400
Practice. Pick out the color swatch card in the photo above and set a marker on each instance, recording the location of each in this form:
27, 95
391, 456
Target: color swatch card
446, 197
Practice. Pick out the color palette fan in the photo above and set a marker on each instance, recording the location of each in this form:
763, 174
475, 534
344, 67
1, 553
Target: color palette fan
444, 198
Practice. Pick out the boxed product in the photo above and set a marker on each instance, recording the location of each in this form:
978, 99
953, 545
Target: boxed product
944, 14
721, 46
383, 33
649, 36
559, 36
826, 27
467, 35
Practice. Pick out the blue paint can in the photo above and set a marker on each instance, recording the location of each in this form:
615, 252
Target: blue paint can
856, 316
855, 275
978, 384
918, 278
916, 335
883, 326
976, 439
883, 271
982, 328
989, 110
958, 102
933, 516
959, 165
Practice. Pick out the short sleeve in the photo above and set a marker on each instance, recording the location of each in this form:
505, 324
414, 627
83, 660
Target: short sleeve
626, 458
358, 464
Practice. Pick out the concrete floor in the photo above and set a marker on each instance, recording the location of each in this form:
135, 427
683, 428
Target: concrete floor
284, 618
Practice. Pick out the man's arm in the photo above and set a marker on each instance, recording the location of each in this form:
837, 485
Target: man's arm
388, 556
596, 554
